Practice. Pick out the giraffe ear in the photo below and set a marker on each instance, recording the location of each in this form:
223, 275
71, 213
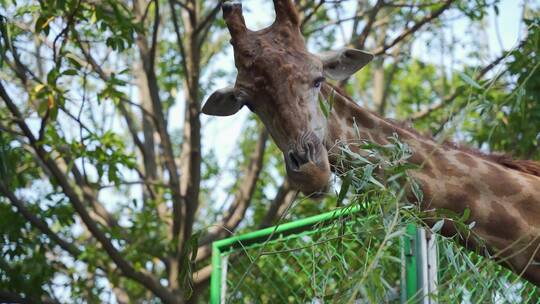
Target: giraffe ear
340, 64
224, 102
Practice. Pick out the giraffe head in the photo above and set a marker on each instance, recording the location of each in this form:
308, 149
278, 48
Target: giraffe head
280, 81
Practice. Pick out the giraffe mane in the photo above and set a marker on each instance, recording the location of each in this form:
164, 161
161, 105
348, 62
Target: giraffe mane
525, 166
522, 165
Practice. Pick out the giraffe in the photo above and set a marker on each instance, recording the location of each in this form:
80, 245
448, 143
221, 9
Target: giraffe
281, 82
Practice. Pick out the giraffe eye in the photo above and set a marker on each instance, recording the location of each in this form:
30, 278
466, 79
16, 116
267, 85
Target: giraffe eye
318, 82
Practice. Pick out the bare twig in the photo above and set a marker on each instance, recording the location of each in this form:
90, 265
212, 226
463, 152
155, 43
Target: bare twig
179, 38
38, 223
284, 197
311, 14
361, 41
381, 50
155, 29
241, 201
457, 92
207, 20
64, 32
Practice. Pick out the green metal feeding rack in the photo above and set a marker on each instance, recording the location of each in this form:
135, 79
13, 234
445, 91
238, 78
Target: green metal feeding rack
326, 259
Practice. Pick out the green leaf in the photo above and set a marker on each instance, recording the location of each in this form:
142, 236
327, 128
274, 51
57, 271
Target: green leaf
344, 188
93, 18
376, 182
323, 107
42, 22
438, 226
466, 215
38, 88
52, 76
469, 80
418, 194
73, 60
70, 72
194, 243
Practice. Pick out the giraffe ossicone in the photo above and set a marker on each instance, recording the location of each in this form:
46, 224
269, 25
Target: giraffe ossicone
281, 82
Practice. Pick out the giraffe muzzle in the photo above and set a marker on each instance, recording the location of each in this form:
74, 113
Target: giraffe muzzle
307, 165
307, 149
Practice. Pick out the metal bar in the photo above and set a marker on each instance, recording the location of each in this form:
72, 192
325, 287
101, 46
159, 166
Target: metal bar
276, 230
215, 279
218, 247
422, 265
223, 285
411, 266
432, 266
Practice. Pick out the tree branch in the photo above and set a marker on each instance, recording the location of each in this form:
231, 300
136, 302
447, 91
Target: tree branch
161, 126
20, 69
38, 223
284, 197
241, 201
414, 28
207, 20
12, 297
311, 14
105, 77
43, 227
179, 37
148, 156
142, 277
155, 29
458, 91
362, 37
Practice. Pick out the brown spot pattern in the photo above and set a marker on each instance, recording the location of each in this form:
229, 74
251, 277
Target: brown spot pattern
501, 223
406, 135
426, 192
529, 209
462, 197
362, 119
428, 147
388, 129
270, 62
499, 182
466, 159
335, 131
445, 167
379, 138
534, 183
457, 199
419, 159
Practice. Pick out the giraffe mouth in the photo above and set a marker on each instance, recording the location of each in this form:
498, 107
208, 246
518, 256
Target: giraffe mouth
306, 162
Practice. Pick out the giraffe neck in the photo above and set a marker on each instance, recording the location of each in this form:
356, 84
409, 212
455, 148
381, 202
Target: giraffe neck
347, 119
504, 203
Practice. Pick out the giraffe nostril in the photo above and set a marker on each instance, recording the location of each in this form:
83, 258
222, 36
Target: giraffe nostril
293, 161
296, 159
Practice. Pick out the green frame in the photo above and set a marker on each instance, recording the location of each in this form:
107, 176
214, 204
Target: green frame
270, 233
412, 262
410, 265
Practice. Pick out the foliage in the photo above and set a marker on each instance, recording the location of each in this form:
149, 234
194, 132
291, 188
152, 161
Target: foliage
357, 256
509, 113
102, 141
